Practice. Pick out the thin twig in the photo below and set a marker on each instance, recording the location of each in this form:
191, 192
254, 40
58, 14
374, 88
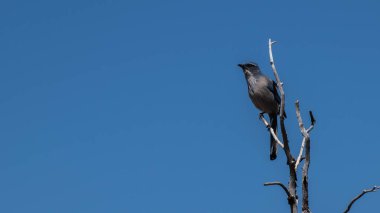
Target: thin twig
279, 184
374, 189
271, 131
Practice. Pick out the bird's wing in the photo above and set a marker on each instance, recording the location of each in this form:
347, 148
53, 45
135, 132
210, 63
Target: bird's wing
276, 96
272, 86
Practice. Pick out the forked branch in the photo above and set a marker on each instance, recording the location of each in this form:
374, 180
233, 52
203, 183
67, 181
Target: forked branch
305, 169
312, 121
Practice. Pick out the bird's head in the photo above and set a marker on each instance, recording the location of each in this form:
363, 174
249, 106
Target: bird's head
250, 68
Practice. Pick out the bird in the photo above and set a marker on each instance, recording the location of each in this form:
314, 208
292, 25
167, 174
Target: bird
263, 93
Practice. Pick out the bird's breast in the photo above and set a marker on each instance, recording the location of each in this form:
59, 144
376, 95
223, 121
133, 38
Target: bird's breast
264, 101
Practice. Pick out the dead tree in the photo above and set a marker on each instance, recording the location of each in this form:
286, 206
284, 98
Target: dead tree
304, 153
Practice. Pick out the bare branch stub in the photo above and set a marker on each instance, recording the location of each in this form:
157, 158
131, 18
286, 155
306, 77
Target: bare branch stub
312, 119
374, 189
302, 158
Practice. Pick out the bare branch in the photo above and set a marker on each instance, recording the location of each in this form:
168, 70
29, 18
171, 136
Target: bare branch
282, 105
290, 160
305, 169
374, 189
271, 130
298, 161
312, 121
300, 122
279, 184
279, 83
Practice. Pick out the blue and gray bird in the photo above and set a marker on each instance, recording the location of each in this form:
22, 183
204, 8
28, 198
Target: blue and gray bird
263, 94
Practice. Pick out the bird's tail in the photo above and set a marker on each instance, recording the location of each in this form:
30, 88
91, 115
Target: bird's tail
273, 143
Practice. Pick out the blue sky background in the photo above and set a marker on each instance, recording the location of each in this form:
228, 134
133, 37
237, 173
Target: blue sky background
138, 106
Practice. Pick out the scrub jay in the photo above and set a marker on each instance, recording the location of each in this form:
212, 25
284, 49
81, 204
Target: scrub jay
263, 94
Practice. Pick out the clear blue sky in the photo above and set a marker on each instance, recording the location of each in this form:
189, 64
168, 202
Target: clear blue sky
139, 107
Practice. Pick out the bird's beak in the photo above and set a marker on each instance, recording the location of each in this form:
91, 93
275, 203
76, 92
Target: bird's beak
241, 65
